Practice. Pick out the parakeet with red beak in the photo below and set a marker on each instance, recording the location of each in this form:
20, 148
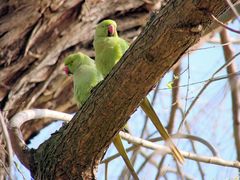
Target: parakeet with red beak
109, 48
85, 77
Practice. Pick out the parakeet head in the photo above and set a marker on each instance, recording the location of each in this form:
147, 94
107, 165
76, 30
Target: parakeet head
106, 28
74, 61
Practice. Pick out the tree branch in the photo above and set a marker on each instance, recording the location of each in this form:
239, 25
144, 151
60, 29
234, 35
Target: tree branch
24, 116
79, 146
192, 156
164, 40
234, 85
9, 145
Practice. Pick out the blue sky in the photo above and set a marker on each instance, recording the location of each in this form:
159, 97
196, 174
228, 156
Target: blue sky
210, 118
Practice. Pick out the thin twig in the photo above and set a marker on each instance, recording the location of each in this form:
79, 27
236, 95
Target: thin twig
173, 170
171, 122
19, 119
135, 152
184, 136
223, 25
217, 78
164, 169
193, 138
175, 93
3, 165
180, 171
214, 151
147, 159
188, 155
174, 136
209, 47
195, 150
188, 129
118, 155
217, 41
205, 87
160, 165
234, 85
8, 143
231, 5
188, 81
19, 170
106, 170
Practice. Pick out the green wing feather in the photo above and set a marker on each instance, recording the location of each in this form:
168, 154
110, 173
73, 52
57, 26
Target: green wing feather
85, 75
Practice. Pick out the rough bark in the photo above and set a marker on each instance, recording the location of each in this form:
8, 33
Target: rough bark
77, 148
34, 38
36, 35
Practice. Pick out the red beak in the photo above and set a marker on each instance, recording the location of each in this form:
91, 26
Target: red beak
66, 70
111, 30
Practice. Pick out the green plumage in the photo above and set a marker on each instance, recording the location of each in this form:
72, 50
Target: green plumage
109, 49
85, 75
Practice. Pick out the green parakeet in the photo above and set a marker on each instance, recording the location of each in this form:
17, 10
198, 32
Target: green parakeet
109, 49
85, 77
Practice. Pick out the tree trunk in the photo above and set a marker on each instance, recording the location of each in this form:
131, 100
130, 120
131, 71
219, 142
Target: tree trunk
36, 36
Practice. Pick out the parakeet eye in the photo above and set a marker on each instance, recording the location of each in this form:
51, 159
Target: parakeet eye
111, 30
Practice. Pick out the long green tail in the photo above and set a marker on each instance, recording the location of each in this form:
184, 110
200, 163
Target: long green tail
120, 148
148, 109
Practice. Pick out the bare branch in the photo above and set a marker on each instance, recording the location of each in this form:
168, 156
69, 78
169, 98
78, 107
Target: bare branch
193, 138
20, 118
106, 171
166, 169
205, 87
27, 115
223, 25
148, 59
218, 41
144, 129
195, 150
224, 18
216, 78
234, 84
8, 143
175, 93
132, 148
147, 159
19, 146
192, 156
233, 8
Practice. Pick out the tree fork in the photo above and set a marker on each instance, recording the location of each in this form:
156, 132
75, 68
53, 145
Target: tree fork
77, 148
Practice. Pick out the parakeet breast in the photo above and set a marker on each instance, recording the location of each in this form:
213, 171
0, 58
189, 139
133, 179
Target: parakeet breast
108, 52
85, 78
